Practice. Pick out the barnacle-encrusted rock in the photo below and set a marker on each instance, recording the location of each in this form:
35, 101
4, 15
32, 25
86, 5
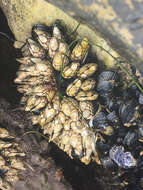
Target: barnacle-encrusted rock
22, 15
60, 92
66, 120
109, 129
11, 160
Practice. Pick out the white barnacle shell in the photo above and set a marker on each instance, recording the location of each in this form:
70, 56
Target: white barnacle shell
87, 70
57, 33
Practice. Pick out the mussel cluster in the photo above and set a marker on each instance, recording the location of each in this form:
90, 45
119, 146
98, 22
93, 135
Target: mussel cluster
11, 160
89, 114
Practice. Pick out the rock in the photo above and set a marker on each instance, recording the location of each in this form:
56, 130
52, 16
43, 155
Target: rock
22, 15
119, 23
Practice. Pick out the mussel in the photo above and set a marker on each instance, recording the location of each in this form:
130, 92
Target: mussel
130, 139
93, 119
106, 82
140, 131
121, 158
101, 124
129, 113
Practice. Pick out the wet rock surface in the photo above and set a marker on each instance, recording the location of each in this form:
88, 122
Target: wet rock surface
23, 15
121, 22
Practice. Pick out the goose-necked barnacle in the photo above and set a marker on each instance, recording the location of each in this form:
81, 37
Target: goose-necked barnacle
11, 160
80, 51
70, 70
82, 88
41, 33
87, 109
31, 48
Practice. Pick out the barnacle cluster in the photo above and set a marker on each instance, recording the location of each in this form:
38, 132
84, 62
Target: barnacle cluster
66, 120
89, 114
11, 160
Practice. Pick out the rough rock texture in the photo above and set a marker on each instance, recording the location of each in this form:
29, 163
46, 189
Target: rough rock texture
22, 15
41, 171
119, 22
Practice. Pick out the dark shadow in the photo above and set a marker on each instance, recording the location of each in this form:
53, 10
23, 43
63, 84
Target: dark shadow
8, 64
